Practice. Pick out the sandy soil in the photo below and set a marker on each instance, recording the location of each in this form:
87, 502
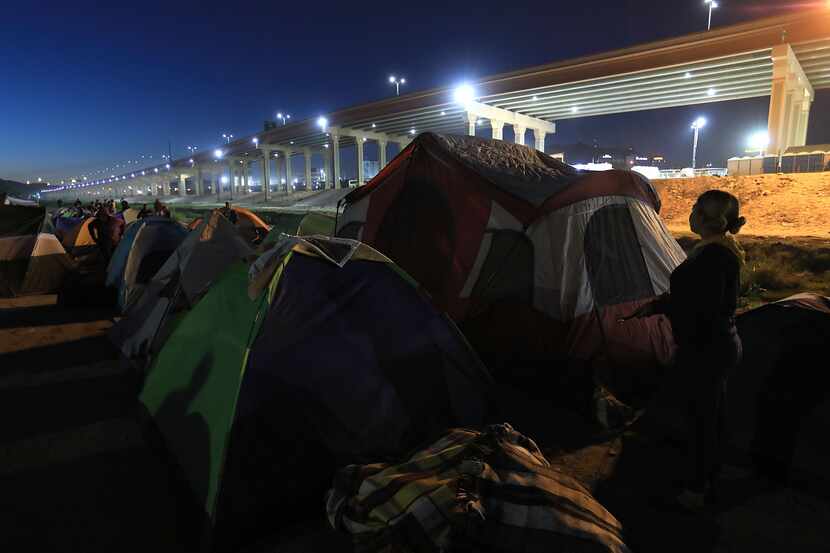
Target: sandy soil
774, 205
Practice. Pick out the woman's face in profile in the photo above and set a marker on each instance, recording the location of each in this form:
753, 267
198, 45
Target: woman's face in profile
694, 218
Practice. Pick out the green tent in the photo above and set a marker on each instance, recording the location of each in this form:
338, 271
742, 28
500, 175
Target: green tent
337, 359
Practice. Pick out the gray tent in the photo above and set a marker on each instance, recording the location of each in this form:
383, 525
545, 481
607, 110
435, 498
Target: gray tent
180, 283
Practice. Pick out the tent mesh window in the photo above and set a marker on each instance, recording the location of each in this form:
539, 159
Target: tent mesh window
616, 267
507, 273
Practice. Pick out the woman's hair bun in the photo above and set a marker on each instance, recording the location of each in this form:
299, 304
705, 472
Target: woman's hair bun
735, 226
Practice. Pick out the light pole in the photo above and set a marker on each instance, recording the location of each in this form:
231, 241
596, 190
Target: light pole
393, 80
227, 138
283, 118
698, 124
713, 5
191, 149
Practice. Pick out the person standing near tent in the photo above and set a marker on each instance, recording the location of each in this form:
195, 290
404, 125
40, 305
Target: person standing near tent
124, 205
160, 210
106, 230
144, 212
701, 306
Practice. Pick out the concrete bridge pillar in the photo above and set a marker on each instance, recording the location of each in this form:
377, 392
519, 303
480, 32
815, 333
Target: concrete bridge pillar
472, 119
266, 172
198, 183
539, 137
382, 153
289, 177
335, 155
246, 178
182, 184
307, 167
359, 141
790, 101
519, 132
498, 129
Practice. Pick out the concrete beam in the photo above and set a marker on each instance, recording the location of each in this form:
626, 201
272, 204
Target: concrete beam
790, 101
508, 117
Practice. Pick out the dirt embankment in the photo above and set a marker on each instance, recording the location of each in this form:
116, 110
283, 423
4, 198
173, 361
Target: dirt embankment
774, 205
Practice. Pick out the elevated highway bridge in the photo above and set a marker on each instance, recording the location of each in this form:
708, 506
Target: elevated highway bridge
786, 58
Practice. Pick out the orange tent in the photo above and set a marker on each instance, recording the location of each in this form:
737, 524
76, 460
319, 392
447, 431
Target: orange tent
250, 225
78, 241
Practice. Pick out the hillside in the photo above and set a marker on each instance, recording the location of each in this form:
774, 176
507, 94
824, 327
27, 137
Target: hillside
774, 205
17, 189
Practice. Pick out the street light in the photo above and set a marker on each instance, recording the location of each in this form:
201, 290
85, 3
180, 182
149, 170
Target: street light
698, 124
227, 137
322, 122
191, 149
758, 141
393, 80
218, 153
283, 117
713, 5
464, 94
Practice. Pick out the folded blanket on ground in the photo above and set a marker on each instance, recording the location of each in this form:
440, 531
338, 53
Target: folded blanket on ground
490, 490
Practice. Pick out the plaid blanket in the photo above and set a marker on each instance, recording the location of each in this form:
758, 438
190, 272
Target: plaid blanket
470, 491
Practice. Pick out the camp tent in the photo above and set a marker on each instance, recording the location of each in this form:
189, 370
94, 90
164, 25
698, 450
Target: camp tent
316, 223
337, 359
778, 397
143, 249
128, 215
180, 283
534, 259
78, 240
252, 227
32, 261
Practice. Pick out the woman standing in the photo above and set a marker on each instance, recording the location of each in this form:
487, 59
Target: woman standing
701, 306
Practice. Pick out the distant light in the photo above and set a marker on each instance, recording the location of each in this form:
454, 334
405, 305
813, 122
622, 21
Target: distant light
687, 75
444, 112
411, 131
325, 145
279, 115
711, 92
224, 179
364, 139
758, 141
699, 123
132, 175
156, 169
535, 98
142, 172
292, 142
167, 165
322, 122
374, 126
255, 141
391, 78
403, 81
464, 94
574, 109
218, 153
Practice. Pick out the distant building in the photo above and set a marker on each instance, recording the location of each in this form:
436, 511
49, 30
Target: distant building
618, 158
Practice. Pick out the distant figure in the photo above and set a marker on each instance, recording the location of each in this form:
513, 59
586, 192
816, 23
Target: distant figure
160, 210
124, 205
144, 212
106, 230
228, 212
701, 306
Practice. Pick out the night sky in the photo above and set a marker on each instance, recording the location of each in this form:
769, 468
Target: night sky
86, 85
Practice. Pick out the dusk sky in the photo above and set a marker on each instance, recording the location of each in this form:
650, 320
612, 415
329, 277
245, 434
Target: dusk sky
88, 85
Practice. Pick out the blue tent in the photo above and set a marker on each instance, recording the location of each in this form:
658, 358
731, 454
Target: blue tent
143, 249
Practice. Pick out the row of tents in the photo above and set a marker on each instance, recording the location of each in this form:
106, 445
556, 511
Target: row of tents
464, 263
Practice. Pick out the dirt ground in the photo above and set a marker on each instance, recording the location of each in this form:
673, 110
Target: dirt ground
774, 205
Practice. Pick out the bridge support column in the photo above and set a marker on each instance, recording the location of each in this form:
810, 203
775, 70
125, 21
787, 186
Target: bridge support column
246, 178
182, 185
498, 129
289, 177
539, 137
790, 101
165, 186
266, 173
307, 167
359, 141
335, 157
381, 154
198, 183
519, 133
327, 159
472, 119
